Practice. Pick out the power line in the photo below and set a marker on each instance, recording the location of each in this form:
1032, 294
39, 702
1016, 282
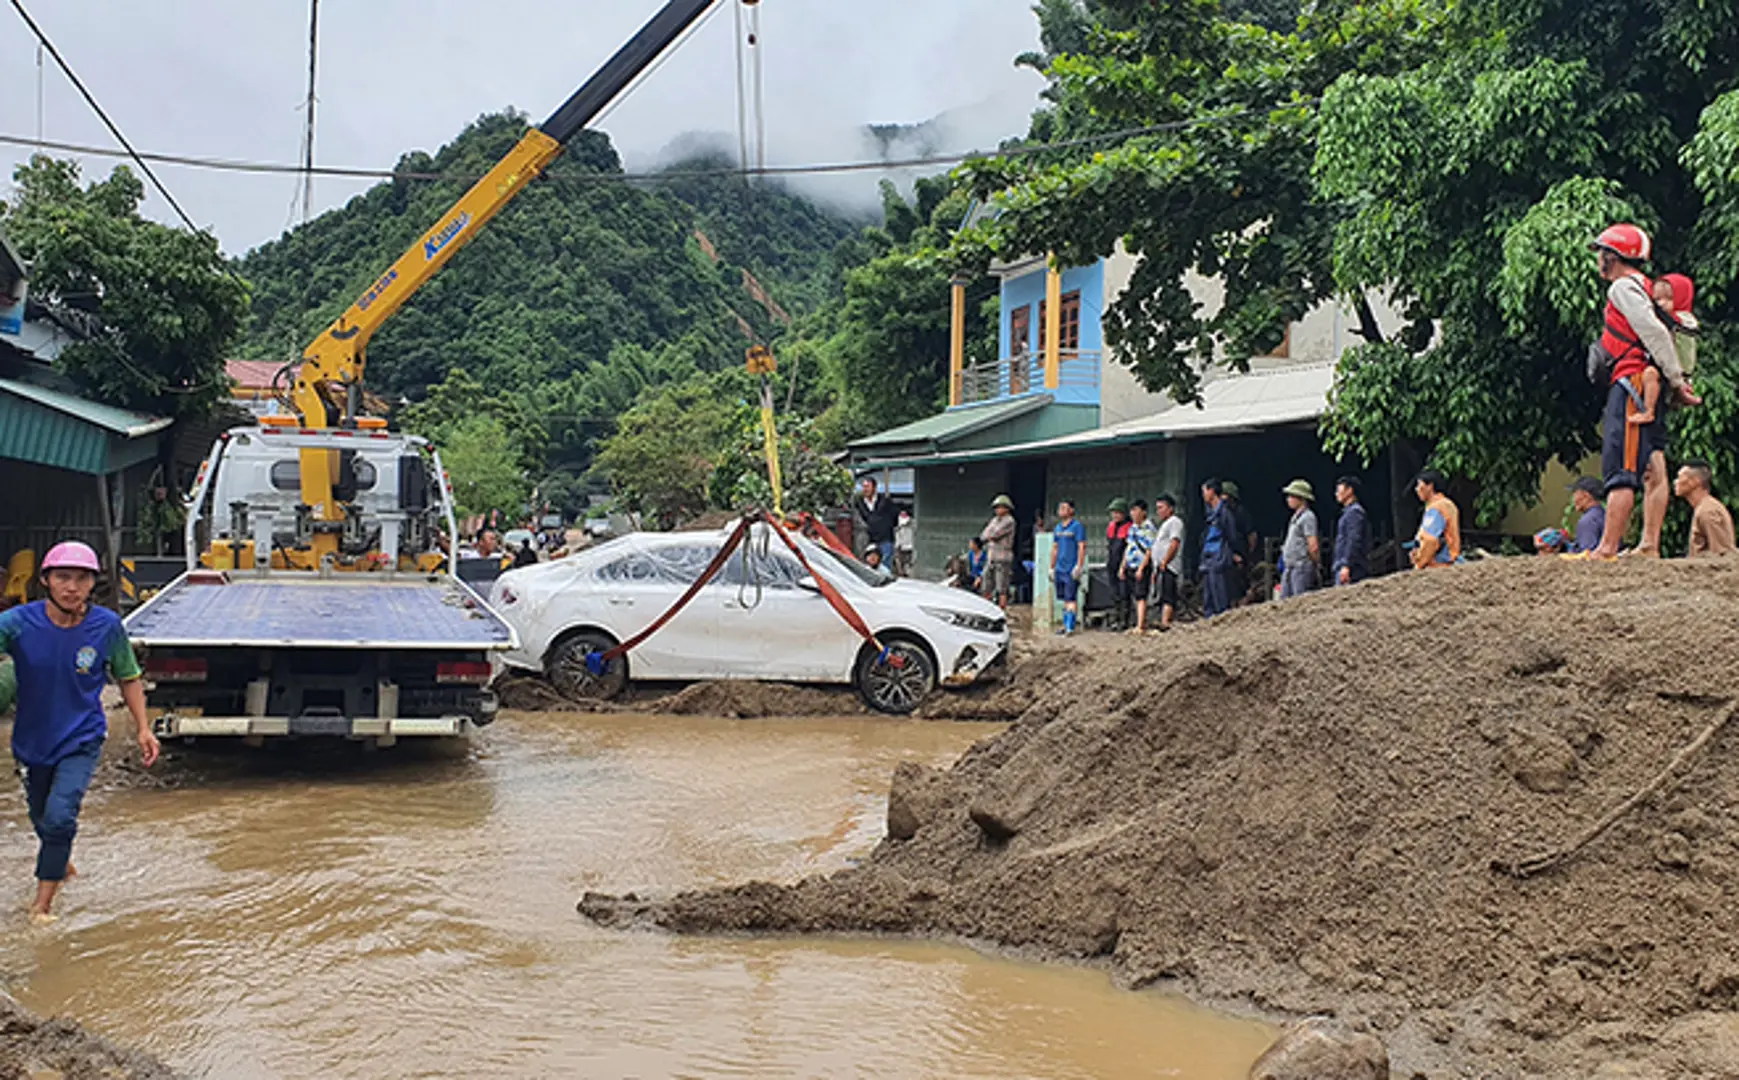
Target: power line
78, 84
817, 169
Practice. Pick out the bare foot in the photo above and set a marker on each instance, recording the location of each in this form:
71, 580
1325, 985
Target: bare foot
1642, 551
43, 918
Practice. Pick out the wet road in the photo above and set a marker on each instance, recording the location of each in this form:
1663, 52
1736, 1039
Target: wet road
412, 914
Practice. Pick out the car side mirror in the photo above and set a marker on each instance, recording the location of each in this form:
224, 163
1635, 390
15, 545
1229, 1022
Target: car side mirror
809, 584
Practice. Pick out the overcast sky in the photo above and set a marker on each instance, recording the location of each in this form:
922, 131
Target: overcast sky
226, 79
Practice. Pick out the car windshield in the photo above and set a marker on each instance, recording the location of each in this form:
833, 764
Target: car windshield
873, 576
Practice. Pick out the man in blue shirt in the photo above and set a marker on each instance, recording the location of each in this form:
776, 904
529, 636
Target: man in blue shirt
1068, 561
1219, 541
64, 649
1586, 494
1352, 534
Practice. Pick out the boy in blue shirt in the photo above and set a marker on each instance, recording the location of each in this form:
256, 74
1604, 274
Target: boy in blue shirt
1068, 561
64, 649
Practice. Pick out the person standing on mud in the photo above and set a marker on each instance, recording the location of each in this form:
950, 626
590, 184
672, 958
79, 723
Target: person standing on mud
1116, 545
998, 537
1068, 561
1167, 548
1438, 541
1219, 537
65, 649
1246, 544
1303, 546
1352, 534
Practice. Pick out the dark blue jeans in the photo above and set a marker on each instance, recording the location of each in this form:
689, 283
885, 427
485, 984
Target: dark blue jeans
1216, 593
54, 794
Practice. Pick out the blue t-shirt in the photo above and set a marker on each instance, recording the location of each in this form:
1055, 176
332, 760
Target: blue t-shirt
61, 672
1070, 536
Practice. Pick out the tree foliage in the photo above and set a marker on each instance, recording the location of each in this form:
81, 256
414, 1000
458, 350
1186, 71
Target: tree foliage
1454, 157
479, 456
157, 308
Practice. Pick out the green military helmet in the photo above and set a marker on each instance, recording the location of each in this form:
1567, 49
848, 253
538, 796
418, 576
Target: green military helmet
1119, 506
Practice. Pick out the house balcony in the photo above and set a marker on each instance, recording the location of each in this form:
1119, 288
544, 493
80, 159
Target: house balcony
1076, 382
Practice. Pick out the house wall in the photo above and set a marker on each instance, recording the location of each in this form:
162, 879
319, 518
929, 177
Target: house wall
1027, 288
951, 507
1093, 478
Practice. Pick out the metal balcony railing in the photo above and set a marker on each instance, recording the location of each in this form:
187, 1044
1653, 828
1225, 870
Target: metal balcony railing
1012, 376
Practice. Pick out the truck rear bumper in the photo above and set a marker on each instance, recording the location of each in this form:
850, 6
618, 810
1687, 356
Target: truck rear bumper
172, 725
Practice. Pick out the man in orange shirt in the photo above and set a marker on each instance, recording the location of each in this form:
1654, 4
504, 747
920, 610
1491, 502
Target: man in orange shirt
1439, 537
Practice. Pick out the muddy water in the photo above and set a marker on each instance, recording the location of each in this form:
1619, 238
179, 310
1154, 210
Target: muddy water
414, 916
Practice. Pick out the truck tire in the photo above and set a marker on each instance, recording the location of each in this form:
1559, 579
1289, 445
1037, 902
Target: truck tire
568, 672
900, 684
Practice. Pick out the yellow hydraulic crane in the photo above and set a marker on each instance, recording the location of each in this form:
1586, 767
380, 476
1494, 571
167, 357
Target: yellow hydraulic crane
328, 384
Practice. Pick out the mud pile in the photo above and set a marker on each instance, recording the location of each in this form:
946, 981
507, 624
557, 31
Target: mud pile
1300, 806
32, 1048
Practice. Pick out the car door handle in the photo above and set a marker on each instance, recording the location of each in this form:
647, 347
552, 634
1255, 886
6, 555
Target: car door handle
621, 601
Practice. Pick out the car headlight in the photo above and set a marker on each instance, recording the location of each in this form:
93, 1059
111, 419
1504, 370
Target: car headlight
966, 620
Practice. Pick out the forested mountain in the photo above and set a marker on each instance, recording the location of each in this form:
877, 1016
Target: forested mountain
583, 266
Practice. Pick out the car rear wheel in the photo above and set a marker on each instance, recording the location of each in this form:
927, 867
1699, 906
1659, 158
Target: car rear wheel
898, 681
571, 673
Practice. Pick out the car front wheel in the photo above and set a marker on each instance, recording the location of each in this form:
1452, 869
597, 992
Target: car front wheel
898, 680
571, 673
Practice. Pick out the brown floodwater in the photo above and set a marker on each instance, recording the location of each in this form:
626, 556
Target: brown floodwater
411, 913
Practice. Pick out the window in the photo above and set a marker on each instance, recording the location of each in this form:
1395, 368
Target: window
1071, 328
772, 570
1019, 344
287, 475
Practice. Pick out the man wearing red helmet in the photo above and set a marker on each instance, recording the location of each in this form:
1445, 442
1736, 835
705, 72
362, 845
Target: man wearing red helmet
65, 649
1633, 454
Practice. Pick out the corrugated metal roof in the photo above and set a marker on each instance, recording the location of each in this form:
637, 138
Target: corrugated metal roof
120, 421
1236, 403
955, 423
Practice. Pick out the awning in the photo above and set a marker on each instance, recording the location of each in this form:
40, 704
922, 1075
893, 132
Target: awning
931, 434
1232, 404
49, 427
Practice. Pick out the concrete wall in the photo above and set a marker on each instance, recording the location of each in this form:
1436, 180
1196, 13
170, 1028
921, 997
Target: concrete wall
952, 505
1093, 478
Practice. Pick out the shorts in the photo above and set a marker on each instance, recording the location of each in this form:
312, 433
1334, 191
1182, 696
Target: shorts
1165, 588
1137, 580
998, 578
1068, 587
1625, 447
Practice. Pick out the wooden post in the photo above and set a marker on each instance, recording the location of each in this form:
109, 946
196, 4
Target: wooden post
957, 342
1053, 323
111, 558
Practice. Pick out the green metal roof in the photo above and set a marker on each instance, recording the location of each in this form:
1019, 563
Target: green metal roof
48, 427
946, 427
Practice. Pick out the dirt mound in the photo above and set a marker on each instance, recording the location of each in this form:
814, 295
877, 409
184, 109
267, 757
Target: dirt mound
1300, 806
31, 1048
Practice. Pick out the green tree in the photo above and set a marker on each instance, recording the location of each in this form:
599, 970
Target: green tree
158, 309
1470, 187
478, 454
459, 398
662, 456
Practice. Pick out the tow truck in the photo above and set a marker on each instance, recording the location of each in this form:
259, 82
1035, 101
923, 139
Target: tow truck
320, 596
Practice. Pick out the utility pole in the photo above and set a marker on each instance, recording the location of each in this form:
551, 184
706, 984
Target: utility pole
308, 128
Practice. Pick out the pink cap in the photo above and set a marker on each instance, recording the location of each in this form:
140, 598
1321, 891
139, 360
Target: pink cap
72, 555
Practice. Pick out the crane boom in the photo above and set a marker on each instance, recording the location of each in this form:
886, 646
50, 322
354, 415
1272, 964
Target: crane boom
336, 358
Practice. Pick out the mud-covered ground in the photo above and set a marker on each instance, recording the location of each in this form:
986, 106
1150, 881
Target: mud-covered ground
32, 1048
1308, 807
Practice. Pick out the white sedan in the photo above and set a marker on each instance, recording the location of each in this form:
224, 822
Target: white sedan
763, 617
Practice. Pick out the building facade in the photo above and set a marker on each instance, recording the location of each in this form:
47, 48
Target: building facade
1056, 416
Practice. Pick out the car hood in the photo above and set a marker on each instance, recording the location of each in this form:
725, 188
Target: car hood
930, 594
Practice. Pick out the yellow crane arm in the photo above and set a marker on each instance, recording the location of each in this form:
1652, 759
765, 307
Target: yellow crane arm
335, 360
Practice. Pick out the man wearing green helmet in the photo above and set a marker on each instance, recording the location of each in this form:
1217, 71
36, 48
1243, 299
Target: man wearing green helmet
1116, 546
998, 537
